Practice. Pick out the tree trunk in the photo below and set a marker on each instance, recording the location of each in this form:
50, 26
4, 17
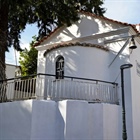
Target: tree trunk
3, 46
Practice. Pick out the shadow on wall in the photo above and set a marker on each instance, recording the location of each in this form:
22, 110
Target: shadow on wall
110, 25
41, 63
84, 27
60, 122
79, 61
70, 66
68, 33
115, 75
15, 120
114, 66
87, 26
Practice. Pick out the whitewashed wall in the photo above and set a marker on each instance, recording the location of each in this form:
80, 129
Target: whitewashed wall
80, 62
10, 71
65, 120
15, 120
86, 26
94, 63
135, 84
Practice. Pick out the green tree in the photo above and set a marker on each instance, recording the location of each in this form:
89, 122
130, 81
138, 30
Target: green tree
28, 60
16, 14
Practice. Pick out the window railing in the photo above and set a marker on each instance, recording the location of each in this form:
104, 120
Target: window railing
46, 86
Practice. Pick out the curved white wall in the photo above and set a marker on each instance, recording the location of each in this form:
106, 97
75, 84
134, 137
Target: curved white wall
86, 62
80, 61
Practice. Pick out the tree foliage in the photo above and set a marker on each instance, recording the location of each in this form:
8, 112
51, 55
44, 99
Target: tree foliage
28, 60
47, 14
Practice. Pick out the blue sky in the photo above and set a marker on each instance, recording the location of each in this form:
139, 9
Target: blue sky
121, 10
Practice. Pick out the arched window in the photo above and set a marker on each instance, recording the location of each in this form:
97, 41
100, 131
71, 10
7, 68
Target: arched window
60, 67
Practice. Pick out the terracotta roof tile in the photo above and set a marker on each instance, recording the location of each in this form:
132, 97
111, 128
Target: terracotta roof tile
92, 15
75, 44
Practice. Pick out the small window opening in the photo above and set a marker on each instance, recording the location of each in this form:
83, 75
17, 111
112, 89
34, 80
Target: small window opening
60, 68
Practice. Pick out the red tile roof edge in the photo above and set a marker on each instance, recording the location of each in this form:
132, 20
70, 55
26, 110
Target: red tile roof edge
75, 44
93, 15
